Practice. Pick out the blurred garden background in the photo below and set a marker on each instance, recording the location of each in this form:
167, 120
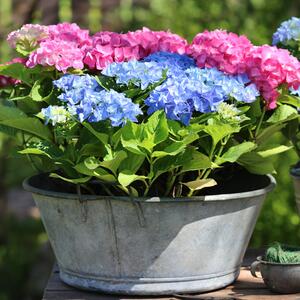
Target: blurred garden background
25, 256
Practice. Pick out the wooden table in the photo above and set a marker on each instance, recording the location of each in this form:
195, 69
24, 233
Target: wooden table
246, 287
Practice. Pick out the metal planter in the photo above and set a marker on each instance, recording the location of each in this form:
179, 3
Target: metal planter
149, 246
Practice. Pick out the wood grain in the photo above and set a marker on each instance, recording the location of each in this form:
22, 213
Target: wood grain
246, 287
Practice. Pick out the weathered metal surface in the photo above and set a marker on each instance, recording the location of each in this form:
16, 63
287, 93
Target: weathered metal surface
149, 246
281, 278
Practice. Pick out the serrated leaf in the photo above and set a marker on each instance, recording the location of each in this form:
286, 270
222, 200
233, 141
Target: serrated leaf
234, 152
218, 131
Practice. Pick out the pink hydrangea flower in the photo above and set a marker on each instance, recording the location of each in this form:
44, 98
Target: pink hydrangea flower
63, 49
29, 34
269, 67
111, 47
220, 49
58, 53
70, 33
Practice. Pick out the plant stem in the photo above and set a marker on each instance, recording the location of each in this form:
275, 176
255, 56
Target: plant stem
170, 183
260, 121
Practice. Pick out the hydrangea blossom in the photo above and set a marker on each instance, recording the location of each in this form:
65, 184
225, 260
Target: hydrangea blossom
200, 90
71, 33
72, 82
220, 49
88, 102
141, 74
64, 48
57, 53
150, 70
55, 114
111, 47
288, 30
171, 61
29, 35
269, 67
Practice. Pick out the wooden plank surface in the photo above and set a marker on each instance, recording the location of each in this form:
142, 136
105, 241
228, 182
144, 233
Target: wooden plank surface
246, 287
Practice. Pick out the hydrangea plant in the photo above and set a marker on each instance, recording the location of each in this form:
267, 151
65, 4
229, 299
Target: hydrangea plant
144, 113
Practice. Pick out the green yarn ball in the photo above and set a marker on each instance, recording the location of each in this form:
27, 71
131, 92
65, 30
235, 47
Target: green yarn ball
283, 254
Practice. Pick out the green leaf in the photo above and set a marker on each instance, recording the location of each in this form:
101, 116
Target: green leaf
71, 180
256, 164
131, 138
29, 125
21, 72
268, 132
42, 90
271, 150
113, 163
102, 137
43, 148
92, 163
196, 161
157, 126
99, 173
126, 177
234, 152
132, 162
289, 99
218, 131
173, 149
10, 112
200, 184
283, 113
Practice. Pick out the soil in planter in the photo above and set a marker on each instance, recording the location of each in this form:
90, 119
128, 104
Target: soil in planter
228, 182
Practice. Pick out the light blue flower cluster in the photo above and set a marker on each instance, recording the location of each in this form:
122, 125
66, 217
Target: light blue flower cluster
200, 90
288, 30
86, 100
171, 61
141, 74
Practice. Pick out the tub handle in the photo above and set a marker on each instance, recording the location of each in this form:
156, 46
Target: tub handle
255, 268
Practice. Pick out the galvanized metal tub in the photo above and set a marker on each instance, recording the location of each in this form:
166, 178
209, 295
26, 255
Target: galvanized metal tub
149, 246
295, 173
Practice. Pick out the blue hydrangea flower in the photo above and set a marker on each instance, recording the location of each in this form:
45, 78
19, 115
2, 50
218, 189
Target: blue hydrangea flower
171, 61
141, 74
70, 82
288, 30
87, 101
200, 90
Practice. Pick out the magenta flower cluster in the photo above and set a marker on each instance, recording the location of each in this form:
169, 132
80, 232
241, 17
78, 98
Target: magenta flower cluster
266, 66
66, 46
